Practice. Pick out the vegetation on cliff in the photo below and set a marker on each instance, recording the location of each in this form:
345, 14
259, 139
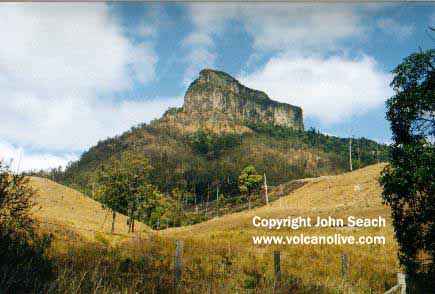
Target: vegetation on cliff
215, 91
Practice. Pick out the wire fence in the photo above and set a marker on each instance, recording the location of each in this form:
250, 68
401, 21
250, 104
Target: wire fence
212, 268
257, 199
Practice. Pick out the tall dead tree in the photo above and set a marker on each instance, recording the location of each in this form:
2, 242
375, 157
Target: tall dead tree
350, 153
265, 189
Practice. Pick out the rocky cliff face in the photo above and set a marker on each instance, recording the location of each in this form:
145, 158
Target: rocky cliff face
218, 92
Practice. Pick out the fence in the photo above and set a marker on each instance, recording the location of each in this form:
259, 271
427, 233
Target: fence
401, 285
239, 203
217, 268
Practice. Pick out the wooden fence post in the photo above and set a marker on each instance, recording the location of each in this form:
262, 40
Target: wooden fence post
401, 285
265, 189
344, 271
401, 280
277, 267
178, 262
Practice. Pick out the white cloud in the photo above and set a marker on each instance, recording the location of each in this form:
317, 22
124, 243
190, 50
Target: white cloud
329, 89
307, 43
69, 126
301, 27
53, 49
61, 67
22, 160
209, 20
396, 29
277, 27
72, 123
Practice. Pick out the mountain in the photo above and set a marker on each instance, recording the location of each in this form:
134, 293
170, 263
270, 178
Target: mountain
218, 92
223, 127
218, 102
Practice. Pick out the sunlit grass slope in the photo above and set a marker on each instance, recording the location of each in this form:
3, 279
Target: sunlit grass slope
371, 267
357, 192
223, 246
58, 204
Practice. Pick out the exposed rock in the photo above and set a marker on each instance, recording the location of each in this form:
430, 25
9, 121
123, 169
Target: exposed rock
216, 91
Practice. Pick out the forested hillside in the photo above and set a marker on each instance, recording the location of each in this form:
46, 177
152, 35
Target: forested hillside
201, 162
196, 154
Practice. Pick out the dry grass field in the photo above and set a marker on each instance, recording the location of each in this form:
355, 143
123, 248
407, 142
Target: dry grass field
371, 267
219, 254
356, 192
57, 204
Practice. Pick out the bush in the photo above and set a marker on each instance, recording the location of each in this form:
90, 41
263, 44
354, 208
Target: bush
24, 265
408, 181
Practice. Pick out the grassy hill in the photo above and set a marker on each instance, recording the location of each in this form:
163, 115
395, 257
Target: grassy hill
356, 191
372, 267
220, 252
68, 213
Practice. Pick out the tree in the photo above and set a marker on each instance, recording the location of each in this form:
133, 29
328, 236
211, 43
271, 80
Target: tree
123, 185
408, 180
175, 203
249, 181
135, 171
221, 201
24, 264
202, 142
150, 201
109, 191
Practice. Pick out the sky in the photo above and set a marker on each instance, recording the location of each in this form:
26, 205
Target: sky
72, 74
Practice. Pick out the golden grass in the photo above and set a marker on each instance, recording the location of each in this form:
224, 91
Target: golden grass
65, 206
357, 191
209, 245
371, 267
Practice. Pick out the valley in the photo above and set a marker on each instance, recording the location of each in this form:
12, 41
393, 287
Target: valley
208, 246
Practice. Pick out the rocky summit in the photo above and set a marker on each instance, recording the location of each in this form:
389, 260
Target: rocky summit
218, 92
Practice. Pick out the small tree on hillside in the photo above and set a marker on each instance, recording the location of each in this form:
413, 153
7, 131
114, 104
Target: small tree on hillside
149, 200
176, 206
221, 202
135, 171
249, 181
408, 181
109, 191
123, 186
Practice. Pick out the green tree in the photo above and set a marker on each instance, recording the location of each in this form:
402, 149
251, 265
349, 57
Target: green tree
24, 264
123, 185
249, 181
408, 181
109, 189
135, 171
202, 142
221, 202
175, 212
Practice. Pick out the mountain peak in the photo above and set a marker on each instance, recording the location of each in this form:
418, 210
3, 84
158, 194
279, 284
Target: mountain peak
216, 92
211, 75
224, 81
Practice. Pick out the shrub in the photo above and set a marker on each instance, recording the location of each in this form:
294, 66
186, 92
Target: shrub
24, 265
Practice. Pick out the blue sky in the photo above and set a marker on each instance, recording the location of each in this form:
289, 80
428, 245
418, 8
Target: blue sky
74, 74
